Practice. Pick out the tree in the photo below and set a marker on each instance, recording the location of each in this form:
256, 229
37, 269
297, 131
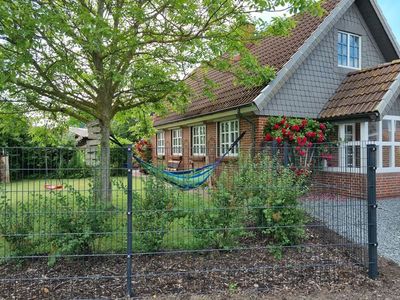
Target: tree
91, 59
14, 131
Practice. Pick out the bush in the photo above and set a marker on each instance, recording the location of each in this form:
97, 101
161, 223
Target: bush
16, 228
224, 222
152, 213
258, 193
56, 224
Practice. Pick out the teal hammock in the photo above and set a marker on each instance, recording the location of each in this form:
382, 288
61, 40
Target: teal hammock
189, 179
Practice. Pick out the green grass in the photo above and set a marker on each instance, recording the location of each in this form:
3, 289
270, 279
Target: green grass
25, 190
28, 190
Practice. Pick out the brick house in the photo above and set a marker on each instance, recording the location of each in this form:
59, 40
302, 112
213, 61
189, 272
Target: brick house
343, 68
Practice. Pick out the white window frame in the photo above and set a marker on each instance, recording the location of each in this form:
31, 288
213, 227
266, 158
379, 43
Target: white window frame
392, 144
176, 141
199, 135
347, 144
348, 35
160, 137
227, 137
364, 136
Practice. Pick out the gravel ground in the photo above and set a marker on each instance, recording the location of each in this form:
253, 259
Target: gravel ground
349, 218
389, 229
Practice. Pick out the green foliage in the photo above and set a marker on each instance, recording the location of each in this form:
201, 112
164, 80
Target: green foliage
225, 221
14, 126
152, 214
92, 60
16, 227
265, 195
56, 224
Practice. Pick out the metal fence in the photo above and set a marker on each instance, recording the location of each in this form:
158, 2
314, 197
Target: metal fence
278, 215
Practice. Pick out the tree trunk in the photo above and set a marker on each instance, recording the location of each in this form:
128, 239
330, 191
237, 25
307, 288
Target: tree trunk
103, 189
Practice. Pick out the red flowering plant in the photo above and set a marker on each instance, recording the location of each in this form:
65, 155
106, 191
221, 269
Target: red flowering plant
143, 149
306, 138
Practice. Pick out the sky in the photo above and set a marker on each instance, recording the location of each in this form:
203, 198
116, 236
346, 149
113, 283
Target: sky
391, 11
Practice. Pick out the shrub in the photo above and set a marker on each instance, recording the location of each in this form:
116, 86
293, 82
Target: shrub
260, 193
152, 213
77, 224
222, 223
56, 224
16, 228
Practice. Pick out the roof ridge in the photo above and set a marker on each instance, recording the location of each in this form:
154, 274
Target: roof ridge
380, 66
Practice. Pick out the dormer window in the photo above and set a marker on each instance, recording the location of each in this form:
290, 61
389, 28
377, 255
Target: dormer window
349, 50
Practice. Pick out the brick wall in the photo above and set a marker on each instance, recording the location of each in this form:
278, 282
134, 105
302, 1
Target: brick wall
342, 183
353, 184
190, 161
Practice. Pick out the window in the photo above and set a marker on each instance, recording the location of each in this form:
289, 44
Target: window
199, 140
161, 143
228, 133
349, 50
352, 148
177, 142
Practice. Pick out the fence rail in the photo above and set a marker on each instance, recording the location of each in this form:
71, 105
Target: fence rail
263, 217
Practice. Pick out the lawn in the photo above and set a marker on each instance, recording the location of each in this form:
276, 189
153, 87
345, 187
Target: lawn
42, 204
24, 190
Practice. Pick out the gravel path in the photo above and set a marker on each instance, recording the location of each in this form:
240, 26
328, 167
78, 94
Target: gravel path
349, 219
389, 229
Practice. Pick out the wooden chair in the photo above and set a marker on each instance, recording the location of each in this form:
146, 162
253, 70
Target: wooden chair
173, 165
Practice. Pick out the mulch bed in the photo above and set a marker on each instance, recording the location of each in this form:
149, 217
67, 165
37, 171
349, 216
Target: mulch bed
224, 273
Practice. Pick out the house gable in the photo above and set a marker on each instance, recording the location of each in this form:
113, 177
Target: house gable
307, 91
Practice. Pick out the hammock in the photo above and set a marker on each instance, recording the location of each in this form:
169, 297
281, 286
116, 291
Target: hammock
188, 179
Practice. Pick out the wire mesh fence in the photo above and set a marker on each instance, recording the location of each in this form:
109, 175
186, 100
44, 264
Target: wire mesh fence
255, 219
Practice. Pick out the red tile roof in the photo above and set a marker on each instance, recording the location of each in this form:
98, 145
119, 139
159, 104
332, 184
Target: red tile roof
361, 91
272, 51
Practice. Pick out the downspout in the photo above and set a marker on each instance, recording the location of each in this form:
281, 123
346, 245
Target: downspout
253, 132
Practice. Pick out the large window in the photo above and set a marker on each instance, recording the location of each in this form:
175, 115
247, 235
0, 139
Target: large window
385, 134
177, 142
161, 143
349, 50
228, 133
199, 140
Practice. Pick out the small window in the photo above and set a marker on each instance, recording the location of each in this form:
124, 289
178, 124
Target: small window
177, 142
228, 133
352, 153
349, 50
161, 143
199, 140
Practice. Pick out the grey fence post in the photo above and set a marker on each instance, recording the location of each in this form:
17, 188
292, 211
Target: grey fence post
372, 206
129, 225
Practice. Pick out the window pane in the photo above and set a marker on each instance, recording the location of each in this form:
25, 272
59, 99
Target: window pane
354, 51
373, 131
397, 157
386, 130
342, 49
397, 132
386, 156
349, 152
348, 134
